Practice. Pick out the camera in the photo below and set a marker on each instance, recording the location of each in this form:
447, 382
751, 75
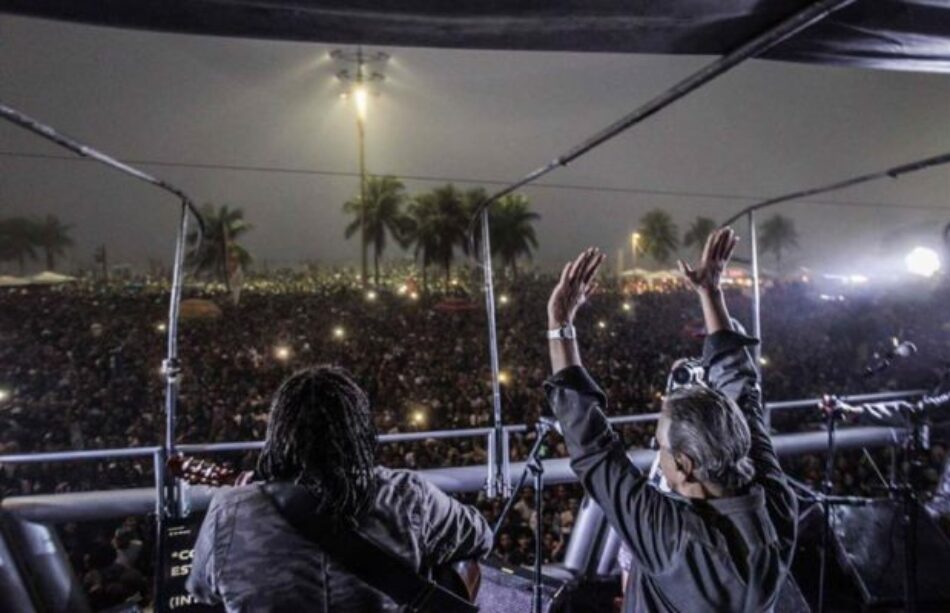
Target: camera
685, 372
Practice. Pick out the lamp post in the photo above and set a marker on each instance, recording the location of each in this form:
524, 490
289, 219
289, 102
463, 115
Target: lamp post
635, 246
357, 79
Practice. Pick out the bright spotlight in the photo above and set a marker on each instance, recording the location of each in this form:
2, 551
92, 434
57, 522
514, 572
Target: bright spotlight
339, 332
360, 97
282, 352
922, 261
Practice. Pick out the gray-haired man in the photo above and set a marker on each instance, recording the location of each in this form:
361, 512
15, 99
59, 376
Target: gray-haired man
724, 541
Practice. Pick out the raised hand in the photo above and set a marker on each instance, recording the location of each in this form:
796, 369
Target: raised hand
719, 247
574, 287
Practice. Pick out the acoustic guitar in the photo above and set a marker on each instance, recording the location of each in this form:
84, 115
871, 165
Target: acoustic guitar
462, 578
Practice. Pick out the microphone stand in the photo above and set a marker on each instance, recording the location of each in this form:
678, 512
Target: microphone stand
535, 468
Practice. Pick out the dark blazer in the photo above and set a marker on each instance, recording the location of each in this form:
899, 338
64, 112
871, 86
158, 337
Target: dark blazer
726, 554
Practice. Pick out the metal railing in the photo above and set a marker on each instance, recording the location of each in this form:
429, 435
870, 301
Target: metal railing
116, 503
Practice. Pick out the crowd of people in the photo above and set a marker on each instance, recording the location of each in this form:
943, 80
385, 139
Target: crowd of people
80, 369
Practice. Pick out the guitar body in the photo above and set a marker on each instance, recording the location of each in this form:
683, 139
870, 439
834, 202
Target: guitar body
462, 578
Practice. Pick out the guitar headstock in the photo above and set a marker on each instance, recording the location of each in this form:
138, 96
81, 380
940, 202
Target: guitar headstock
202, 472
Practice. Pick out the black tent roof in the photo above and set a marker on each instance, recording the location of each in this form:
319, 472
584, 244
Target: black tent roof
889, 34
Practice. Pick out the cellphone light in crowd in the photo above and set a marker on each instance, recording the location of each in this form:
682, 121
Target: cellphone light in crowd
339, 333
282, 352
403, 289
371, 296
161, 327
414, 295
602, 324
763, 361
503, 299
923, 262
503, 377
626, 306
4, 395
418, 417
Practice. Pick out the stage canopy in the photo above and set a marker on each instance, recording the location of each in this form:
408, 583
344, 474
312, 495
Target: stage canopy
888, 34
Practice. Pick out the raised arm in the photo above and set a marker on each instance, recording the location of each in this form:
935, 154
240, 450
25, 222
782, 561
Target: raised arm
732, 371
650, 523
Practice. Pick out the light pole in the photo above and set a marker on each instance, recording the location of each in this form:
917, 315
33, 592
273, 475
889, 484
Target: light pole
356, 78
635, 246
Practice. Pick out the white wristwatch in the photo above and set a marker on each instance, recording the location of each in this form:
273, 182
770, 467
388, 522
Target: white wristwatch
565, 332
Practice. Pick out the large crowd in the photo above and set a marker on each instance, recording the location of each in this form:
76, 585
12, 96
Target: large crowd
80, 369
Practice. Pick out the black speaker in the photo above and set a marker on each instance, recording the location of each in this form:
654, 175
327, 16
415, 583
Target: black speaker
866, 570
506, 588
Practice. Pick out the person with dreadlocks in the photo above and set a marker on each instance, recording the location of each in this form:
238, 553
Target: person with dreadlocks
321, 444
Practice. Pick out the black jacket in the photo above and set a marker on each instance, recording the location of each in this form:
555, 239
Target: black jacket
726, 554
249, 557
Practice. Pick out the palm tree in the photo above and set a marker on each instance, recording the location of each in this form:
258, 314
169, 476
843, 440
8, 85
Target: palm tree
512, 233
219, 255
437, 223
383, 215
697, 234
52, 236
777, 235
659, 235
17, 240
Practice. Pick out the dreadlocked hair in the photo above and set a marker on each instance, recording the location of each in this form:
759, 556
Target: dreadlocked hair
320, 434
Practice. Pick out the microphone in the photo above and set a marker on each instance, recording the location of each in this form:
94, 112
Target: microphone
549, 423
904, 349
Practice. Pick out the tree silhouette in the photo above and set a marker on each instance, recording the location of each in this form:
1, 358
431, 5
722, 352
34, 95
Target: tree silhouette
658, 235
777, 236
384, 215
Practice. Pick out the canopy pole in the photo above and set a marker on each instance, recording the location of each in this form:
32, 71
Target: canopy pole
756, 301
892, 173
498, 483
801, 20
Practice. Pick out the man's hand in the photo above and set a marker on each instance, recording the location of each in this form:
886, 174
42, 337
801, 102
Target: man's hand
573, 289
719, 247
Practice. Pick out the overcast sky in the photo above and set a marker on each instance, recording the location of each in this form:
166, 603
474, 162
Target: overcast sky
761, 130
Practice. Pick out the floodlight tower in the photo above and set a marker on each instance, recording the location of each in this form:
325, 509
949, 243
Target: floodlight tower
359, 80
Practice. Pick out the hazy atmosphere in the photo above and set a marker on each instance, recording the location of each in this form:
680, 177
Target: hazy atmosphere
469, 117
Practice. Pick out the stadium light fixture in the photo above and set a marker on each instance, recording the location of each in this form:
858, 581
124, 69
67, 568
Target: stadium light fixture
922, 261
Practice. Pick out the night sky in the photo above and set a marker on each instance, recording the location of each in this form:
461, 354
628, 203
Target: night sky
470, 116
